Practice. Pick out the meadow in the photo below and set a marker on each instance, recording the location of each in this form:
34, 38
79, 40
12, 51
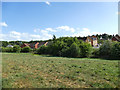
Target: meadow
27, 70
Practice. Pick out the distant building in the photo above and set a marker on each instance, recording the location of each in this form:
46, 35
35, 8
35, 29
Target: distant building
35, 45
116, 38
24, 45
90, 39
10, 46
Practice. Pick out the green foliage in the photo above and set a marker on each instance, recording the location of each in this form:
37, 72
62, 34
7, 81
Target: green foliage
7, 49
65, 52
105, 49
74, 50
115, 50
3, 49
54, 37
110, 50
4, 43
56, 47
48, 71
86, 49
16, 48
105, 36
66, 47
42, 50
26, 49
95, 52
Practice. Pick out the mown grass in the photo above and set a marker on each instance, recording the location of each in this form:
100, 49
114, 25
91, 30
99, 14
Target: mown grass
35, 71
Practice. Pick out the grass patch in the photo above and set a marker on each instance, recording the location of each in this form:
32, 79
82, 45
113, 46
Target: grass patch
37, 71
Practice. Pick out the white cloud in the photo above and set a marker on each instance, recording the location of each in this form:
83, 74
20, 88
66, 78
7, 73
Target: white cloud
3, 24
35, 36
45, 35
86, 29
50, 29
47, 30
43, 31
36, 30
66, 28
2, 36
14, 35
85, 32
48, 3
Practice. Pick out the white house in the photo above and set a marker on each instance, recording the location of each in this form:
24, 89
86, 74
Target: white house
9, 46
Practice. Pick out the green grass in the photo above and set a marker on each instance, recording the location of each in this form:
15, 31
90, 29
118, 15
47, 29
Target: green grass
35, 71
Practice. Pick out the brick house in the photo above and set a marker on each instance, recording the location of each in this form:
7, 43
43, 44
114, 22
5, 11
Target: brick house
34, 45
116, 38
24, 45
90, 39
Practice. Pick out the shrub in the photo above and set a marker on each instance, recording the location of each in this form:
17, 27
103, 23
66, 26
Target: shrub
105, 49
16, 48
86, 49
95, 52
74, 50
3, 49
7, 49
55, 48
26, 49
42, 50
65, 52
115, 50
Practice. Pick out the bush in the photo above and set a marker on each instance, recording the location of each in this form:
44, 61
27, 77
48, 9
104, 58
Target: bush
7, 49
65, 52
3, 49
95, 53
42, 50
55, 48
86, 49
16, 48
26, 49
74, 50
105, 49
115, 50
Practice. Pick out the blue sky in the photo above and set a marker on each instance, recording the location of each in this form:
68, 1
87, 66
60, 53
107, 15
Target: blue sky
40, 20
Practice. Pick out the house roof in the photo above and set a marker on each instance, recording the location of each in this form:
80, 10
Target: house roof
25, 44
117, 37
9, 45
41, 43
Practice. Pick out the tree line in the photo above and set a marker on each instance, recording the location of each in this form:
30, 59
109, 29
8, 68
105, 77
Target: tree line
72, 47
100, 37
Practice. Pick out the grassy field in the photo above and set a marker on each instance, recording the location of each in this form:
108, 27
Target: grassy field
34, 71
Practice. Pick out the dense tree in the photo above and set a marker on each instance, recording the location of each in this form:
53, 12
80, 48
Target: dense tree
86, 49
54, 37
26, 49
105, 36
115, 50
42, 50
74, 50
105, 48
7, 49
4, 43
16, 48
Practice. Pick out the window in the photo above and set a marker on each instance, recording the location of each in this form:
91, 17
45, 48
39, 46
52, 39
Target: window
89, 40
94, 38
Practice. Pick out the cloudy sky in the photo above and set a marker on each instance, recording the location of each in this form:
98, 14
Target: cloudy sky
40, 20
